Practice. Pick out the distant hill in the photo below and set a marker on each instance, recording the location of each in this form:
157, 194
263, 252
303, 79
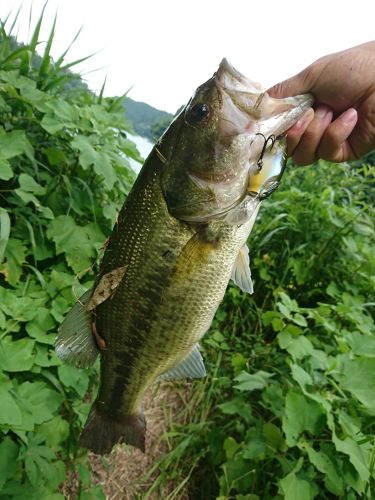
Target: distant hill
144, 117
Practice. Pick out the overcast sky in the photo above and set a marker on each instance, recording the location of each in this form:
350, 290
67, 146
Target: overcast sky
163, 49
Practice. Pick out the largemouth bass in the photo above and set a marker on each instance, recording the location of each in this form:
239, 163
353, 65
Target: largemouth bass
179, 238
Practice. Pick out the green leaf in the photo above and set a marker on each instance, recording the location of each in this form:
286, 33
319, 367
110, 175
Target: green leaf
298, 319
14, 143
53, 124
40, 400
94, 493
79, 244
301, 376
252, 382
38, 464
27, 197
238, 361
28, 184
45, 357
110, 213
277, 324
273, 436
62, 115
75, 378
16, 355
230, 446
358, 378
301, 414
91, 157
295, 488
269, 316
298, 347
255, 446
361, 345
324, 464
237, 473
355, 453
8, 456
15, 254
39, 326
10, 412
237, 406
84, 473
56, 156
36, 97
6, 171
55, 431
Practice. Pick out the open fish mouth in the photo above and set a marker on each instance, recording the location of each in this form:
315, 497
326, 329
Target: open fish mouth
253, 110
252, 119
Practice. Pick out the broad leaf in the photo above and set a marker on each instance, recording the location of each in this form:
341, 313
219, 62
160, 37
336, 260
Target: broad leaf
301, 414
251, 382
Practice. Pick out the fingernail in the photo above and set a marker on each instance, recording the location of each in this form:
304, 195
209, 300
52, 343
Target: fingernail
349, 116
321, 112
300, 124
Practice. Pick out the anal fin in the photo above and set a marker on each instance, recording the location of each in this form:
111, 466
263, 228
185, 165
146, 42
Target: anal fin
191, 366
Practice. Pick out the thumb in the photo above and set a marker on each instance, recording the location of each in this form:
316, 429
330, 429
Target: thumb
298, 84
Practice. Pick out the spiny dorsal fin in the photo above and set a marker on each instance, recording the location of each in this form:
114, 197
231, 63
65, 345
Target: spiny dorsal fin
241, 273
75, 343
191, 366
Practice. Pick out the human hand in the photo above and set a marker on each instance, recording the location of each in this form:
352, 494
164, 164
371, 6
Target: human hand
342, 125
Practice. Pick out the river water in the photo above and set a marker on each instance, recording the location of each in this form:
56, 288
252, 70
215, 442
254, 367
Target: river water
144, 146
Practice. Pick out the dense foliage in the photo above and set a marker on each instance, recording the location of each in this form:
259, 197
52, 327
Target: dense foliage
63, 175
288, 408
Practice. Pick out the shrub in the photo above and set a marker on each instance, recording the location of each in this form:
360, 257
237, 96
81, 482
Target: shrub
63, 174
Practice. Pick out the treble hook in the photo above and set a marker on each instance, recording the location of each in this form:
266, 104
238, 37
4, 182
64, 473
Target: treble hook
271, 138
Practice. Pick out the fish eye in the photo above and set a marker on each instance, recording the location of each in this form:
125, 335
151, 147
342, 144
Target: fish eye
197, 113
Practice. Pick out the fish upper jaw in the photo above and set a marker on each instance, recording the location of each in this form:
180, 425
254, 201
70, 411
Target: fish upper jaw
251, 110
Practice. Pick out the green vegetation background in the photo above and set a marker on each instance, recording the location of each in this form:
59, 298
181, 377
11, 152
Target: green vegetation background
287, 409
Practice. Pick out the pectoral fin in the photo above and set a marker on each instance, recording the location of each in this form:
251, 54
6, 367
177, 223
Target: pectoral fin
191, 366
241, 273
75, 343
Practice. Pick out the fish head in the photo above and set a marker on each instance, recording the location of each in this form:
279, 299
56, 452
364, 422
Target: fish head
211, 149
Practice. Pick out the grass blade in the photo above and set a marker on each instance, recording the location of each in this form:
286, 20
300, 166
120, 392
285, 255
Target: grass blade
78, 61
61, 59
4, 231
35, 36
100, 96
46, 60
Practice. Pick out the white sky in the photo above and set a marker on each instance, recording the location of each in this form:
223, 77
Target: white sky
164, 49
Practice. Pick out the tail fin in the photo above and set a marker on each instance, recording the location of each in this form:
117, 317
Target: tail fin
102, 432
